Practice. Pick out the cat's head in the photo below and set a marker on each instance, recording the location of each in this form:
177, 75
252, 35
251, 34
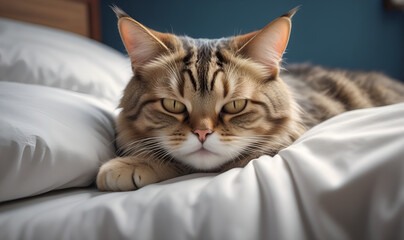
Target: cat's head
206, 103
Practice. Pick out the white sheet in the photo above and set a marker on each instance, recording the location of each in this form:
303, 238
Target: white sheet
344, 179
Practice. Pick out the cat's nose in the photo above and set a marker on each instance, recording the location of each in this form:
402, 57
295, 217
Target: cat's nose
202, 134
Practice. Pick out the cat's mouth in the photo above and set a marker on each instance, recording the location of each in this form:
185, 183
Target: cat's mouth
203, 152
204, 156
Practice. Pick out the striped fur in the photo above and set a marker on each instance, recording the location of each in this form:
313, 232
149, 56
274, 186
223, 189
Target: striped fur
205, 75
323, 93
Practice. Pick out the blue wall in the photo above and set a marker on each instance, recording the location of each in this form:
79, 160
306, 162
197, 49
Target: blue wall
353, 34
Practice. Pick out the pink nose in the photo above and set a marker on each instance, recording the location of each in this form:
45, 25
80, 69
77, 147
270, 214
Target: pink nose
202, 134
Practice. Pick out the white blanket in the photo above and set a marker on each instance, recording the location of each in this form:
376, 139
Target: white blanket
344, 179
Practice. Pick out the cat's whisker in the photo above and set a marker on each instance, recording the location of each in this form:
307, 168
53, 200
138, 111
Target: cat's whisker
135, 146
139, 151
262, 140
164, 157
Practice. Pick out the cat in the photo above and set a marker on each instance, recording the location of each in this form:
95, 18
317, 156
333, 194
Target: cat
200, 105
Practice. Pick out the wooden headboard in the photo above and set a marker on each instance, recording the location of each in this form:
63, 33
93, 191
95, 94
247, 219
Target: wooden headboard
78, 16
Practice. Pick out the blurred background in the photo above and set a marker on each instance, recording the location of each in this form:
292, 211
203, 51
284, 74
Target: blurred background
359, 34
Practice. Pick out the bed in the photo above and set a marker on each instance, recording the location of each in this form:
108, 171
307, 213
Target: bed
343, 179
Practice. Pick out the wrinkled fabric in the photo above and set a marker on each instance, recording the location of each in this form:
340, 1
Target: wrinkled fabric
343, 179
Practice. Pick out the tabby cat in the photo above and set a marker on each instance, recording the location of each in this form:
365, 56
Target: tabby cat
199, 105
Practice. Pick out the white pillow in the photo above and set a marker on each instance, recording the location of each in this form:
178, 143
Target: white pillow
50, 139
39, 55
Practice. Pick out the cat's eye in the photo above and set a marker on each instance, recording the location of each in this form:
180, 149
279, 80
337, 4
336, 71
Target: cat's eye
173, 106
235, 106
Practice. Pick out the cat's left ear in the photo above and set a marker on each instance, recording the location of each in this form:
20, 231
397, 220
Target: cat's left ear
268, 45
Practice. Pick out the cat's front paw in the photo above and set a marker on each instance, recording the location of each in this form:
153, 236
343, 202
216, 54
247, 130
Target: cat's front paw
121, 174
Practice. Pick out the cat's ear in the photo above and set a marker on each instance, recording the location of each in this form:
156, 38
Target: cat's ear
141, 43
267, 45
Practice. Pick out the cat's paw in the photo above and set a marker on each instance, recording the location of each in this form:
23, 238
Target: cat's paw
119, 175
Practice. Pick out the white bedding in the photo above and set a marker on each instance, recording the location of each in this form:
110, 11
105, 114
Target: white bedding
343, 179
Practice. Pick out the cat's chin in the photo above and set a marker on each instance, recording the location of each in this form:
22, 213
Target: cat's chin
203, 159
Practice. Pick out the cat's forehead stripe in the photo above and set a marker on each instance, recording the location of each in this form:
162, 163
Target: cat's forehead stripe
202, 53
191, 77
212, 83
188, 57
202, 63
200, 56
220, 58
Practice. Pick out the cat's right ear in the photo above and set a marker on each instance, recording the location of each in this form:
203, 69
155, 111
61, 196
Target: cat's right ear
141, 43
